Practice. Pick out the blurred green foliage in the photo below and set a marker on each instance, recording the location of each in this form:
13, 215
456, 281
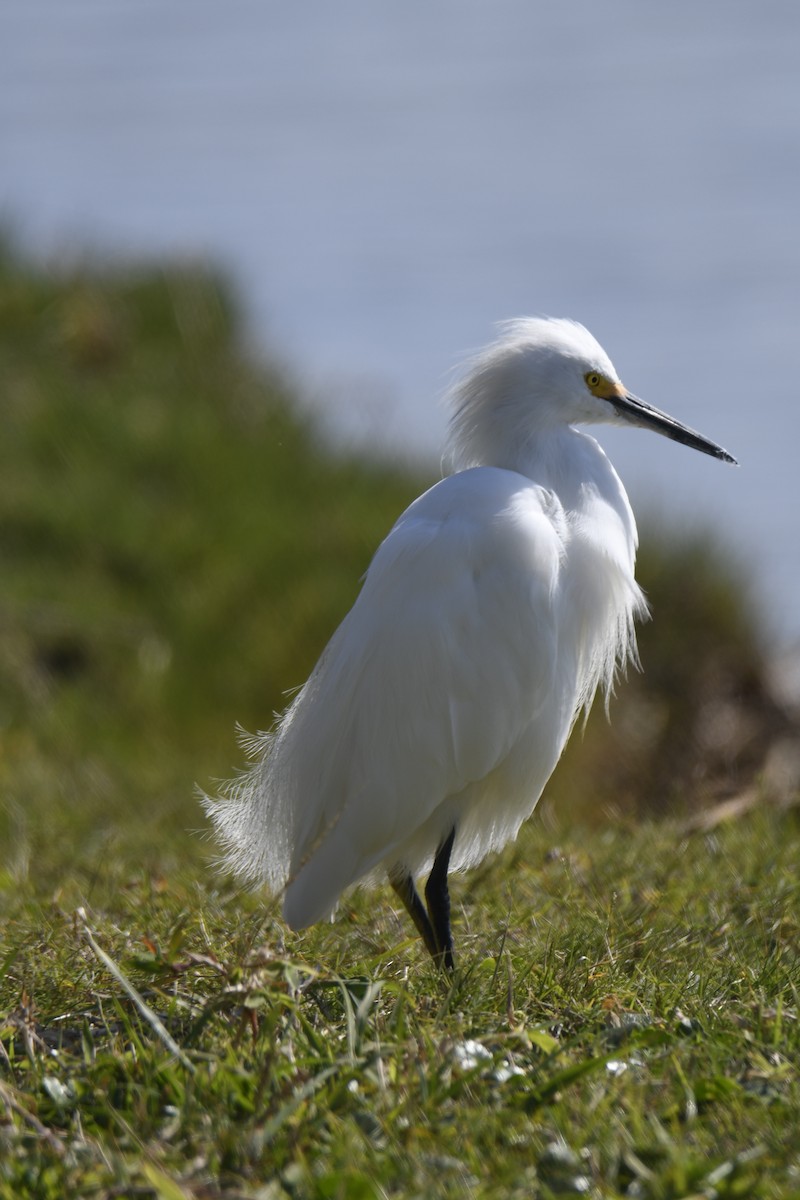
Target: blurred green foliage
178, 544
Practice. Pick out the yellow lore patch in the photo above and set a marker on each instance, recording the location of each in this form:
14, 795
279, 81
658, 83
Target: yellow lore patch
600, 385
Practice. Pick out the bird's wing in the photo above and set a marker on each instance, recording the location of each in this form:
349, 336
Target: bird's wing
442, 663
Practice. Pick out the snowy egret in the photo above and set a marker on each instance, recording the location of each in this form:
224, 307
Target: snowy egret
497, 605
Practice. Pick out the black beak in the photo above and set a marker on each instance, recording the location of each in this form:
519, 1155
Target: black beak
631, 409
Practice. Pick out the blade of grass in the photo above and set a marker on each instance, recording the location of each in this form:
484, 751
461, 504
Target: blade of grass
13, 1105
138, 1000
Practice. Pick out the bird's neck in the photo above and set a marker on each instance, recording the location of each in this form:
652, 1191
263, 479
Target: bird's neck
561, 458
572, 465
565, 460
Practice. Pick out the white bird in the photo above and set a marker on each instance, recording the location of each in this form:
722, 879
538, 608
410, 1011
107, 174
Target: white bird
497, 605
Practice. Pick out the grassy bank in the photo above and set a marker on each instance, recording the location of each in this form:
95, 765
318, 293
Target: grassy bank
177, 546
624, 1022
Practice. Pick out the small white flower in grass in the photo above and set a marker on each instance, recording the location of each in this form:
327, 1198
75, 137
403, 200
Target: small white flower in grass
616, 1066
470, 1054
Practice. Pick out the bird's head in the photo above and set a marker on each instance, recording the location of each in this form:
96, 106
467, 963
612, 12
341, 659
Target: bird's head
543, 373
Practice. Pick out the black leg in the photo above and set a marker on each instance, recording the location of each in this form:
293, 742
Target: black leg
404, 886
437, 898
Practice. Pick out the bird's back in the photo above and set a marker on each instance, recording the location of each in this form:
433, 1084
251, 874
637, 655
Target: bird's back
446, 695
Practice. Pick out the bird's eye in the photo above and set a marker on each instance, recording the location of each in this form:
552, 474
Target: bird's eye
593, 379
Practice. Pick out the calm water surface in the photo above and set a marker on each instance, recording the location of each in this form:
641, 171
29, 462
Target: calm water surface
386, 182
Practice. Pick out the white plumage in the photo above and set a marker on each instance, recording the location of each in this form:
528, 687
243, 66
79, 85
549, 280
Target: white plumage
497, 605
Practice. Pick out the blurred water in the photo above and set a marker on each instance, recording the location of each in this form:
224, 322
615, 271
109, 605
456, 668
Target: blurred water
388, 181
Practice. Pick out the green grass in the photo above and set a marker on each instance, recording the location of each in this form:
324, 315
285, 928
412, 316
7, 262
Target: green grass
634, 997
177, 546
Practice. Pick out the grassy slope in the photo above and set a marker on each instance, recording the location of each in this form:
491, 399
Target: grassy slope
176, 549
643, 989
